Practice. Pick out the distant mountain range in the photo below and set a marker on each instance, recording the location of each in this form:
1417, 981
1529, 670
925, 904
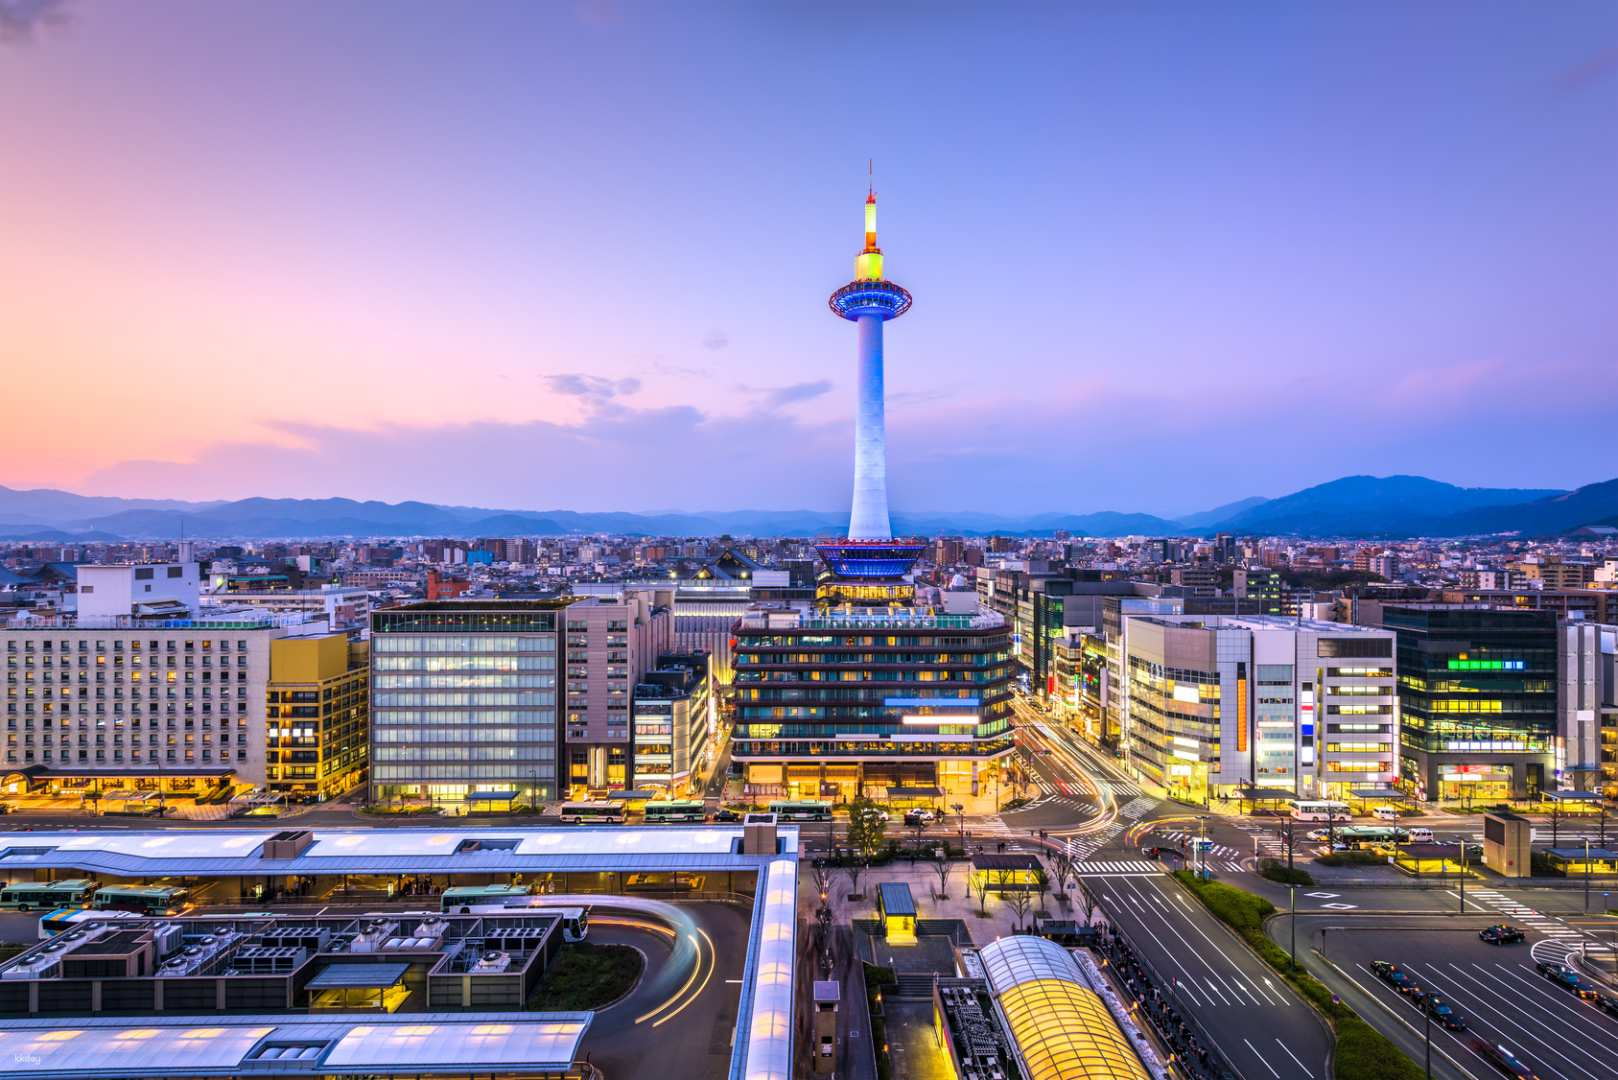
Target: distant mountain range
1354, 506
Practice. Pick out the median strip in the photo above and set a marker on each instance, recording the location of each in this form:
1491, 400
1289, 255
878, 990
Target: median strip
1362, 1052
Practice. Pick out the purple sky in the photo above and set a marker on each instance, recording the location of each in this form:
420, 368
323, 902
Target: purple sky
539, 255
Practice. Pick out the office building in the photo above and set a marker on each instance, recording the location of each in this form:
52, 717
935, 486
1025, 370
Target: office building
611, 643
1478, 700
886, 701
675, 727
464, 700
141, 691
317, 716
1218, 705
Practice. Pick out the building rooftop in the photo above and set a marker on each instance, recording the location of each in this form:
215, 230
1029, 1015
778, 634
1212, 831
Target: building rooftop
225, 852
419, 1044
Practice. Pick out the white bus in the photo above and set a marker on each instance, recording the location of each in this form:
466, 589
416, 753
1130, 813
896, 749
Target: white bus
599, 812
1321, 811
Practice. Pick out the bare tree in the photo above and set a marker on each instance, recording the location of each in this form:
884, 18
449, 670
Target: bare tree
1065, 869
1042, 882
852, 870
942, 867
821, 877
1019, 900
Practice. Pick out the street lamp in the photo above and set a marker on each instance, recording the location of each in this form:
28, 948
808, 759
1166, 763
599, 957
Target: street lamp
1586, 875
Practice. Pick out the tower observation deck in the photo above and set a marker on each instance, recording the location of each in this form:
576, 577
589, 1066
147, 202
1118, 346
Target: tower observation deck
870, 551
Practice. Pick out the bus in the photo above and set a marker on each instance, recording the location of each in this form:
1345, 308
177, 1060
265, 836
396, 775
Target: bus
54, 922
575, 921
469, 896
1362, 835
597, 812
46, 895
1321, 811
144, 899
658, 813
802, 810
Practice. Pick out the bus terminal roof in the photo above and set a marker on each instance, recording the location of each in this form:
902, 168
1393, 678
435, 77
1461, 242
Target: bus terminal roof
413, 1044
227, 852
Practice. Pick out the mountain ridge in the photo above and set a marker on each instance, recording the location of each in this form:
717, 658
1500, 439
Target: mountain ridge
1358, 506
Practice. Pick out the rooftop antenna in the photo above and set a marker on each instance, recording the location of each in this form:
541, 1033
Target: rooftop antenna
870, 176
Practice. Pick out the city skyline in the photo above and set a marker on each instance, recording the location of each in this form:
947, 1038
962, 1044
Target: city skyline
417, 281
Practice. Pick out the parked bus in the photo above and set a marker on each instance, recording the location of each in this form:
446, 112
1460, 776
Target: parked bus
802, 810
1321, 811
46, 895
597, 812
575, 921
144, 899
472, 895
675, 810
54, 922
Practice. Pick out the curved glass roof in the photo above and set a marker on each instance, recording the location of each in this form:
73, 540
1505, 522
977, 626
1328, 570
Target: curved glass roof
1062, 1028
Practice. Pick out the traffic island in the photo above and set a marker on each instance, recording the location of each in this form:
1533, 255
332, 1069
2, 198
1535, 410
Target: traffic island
1362, 1052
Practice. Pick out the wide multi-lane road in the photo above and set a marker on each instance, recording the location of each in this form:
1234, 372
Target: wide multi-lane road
1240, 1006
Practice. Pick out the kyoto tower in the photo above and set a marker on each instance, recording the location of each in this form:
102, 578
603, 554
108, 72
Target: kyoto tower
870, 552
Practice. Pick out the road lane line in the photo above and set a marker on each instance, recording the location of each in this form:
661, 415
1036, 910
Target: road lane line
1477, 1003
1575, 1008
1279, 998
1262, 1058
1294, 1057
1215, 989
1412, 1027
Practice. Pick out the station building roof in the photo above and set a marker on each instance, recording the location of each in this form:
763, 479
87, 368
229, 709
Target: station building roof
228, 852
1062, 1029
404, 1044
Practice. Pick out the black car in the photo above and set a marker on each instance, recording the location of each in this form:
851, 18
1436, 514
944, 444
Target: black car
1500, 934
1564, 976
1606, 1004
726, 815
1395, 976
1441, 1011
1506, 1062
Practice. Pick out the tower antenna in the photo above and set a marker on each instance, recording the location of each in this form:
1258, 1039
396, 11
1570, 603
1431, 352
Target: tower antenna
870, 176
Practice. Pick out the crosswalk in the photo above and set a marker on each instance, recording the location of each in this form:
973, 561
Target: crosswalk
1122, 788
1137, 807
1217, 851
1560, 938
1083, 807
1119, 867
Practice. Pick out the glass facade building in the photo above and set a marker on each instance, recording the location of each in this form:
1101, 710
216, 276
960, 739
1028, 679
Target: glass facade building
1477, 696
464, 699
829, 704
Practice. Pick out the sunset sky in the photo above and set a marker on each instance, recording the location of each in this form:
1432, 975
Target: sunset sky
545, 255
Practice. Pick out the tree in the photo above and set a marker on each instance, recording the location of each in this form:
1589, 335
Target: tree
916, 827
943, 868
960, 816
1042, 882
1020, 900
867, 828
1065, 869
821, 877
852, 868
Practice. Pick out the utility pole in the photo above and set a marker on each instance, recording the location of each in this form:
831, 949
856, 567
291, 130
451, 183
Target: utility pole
1587, 875
1427, 1033
1463, 894
1292, 920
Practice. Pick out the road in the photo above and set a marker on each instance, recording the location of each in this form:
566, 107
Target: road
1496, 989
1263, 1029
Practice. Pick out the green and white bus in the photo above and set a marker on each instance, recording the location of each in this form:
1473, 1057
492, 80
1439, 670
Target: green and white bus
801, 810
47, 895
145, 899
597, 812
1362, 835
675, 810
471, 895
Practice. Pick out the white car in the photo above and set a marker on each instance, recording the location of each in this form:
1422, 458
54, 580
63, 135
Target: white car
1316, 834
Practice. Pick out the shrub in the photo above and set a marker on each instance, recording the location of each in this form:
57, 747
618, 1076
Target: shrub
1276, 870
1353, 858
1362, 1052
878, 979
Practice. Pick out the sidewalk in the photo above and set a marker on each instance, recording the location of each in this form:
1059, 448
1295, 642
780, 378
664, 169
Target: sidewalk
1001, 921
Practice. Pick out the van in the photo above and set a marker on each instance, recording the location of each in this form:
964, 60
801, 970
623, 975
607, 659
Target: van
1421, 835
1385, 813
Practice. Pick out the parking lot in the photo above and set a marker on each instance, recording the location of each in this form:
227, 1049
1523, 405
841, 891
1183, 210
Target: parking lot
1498, 992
